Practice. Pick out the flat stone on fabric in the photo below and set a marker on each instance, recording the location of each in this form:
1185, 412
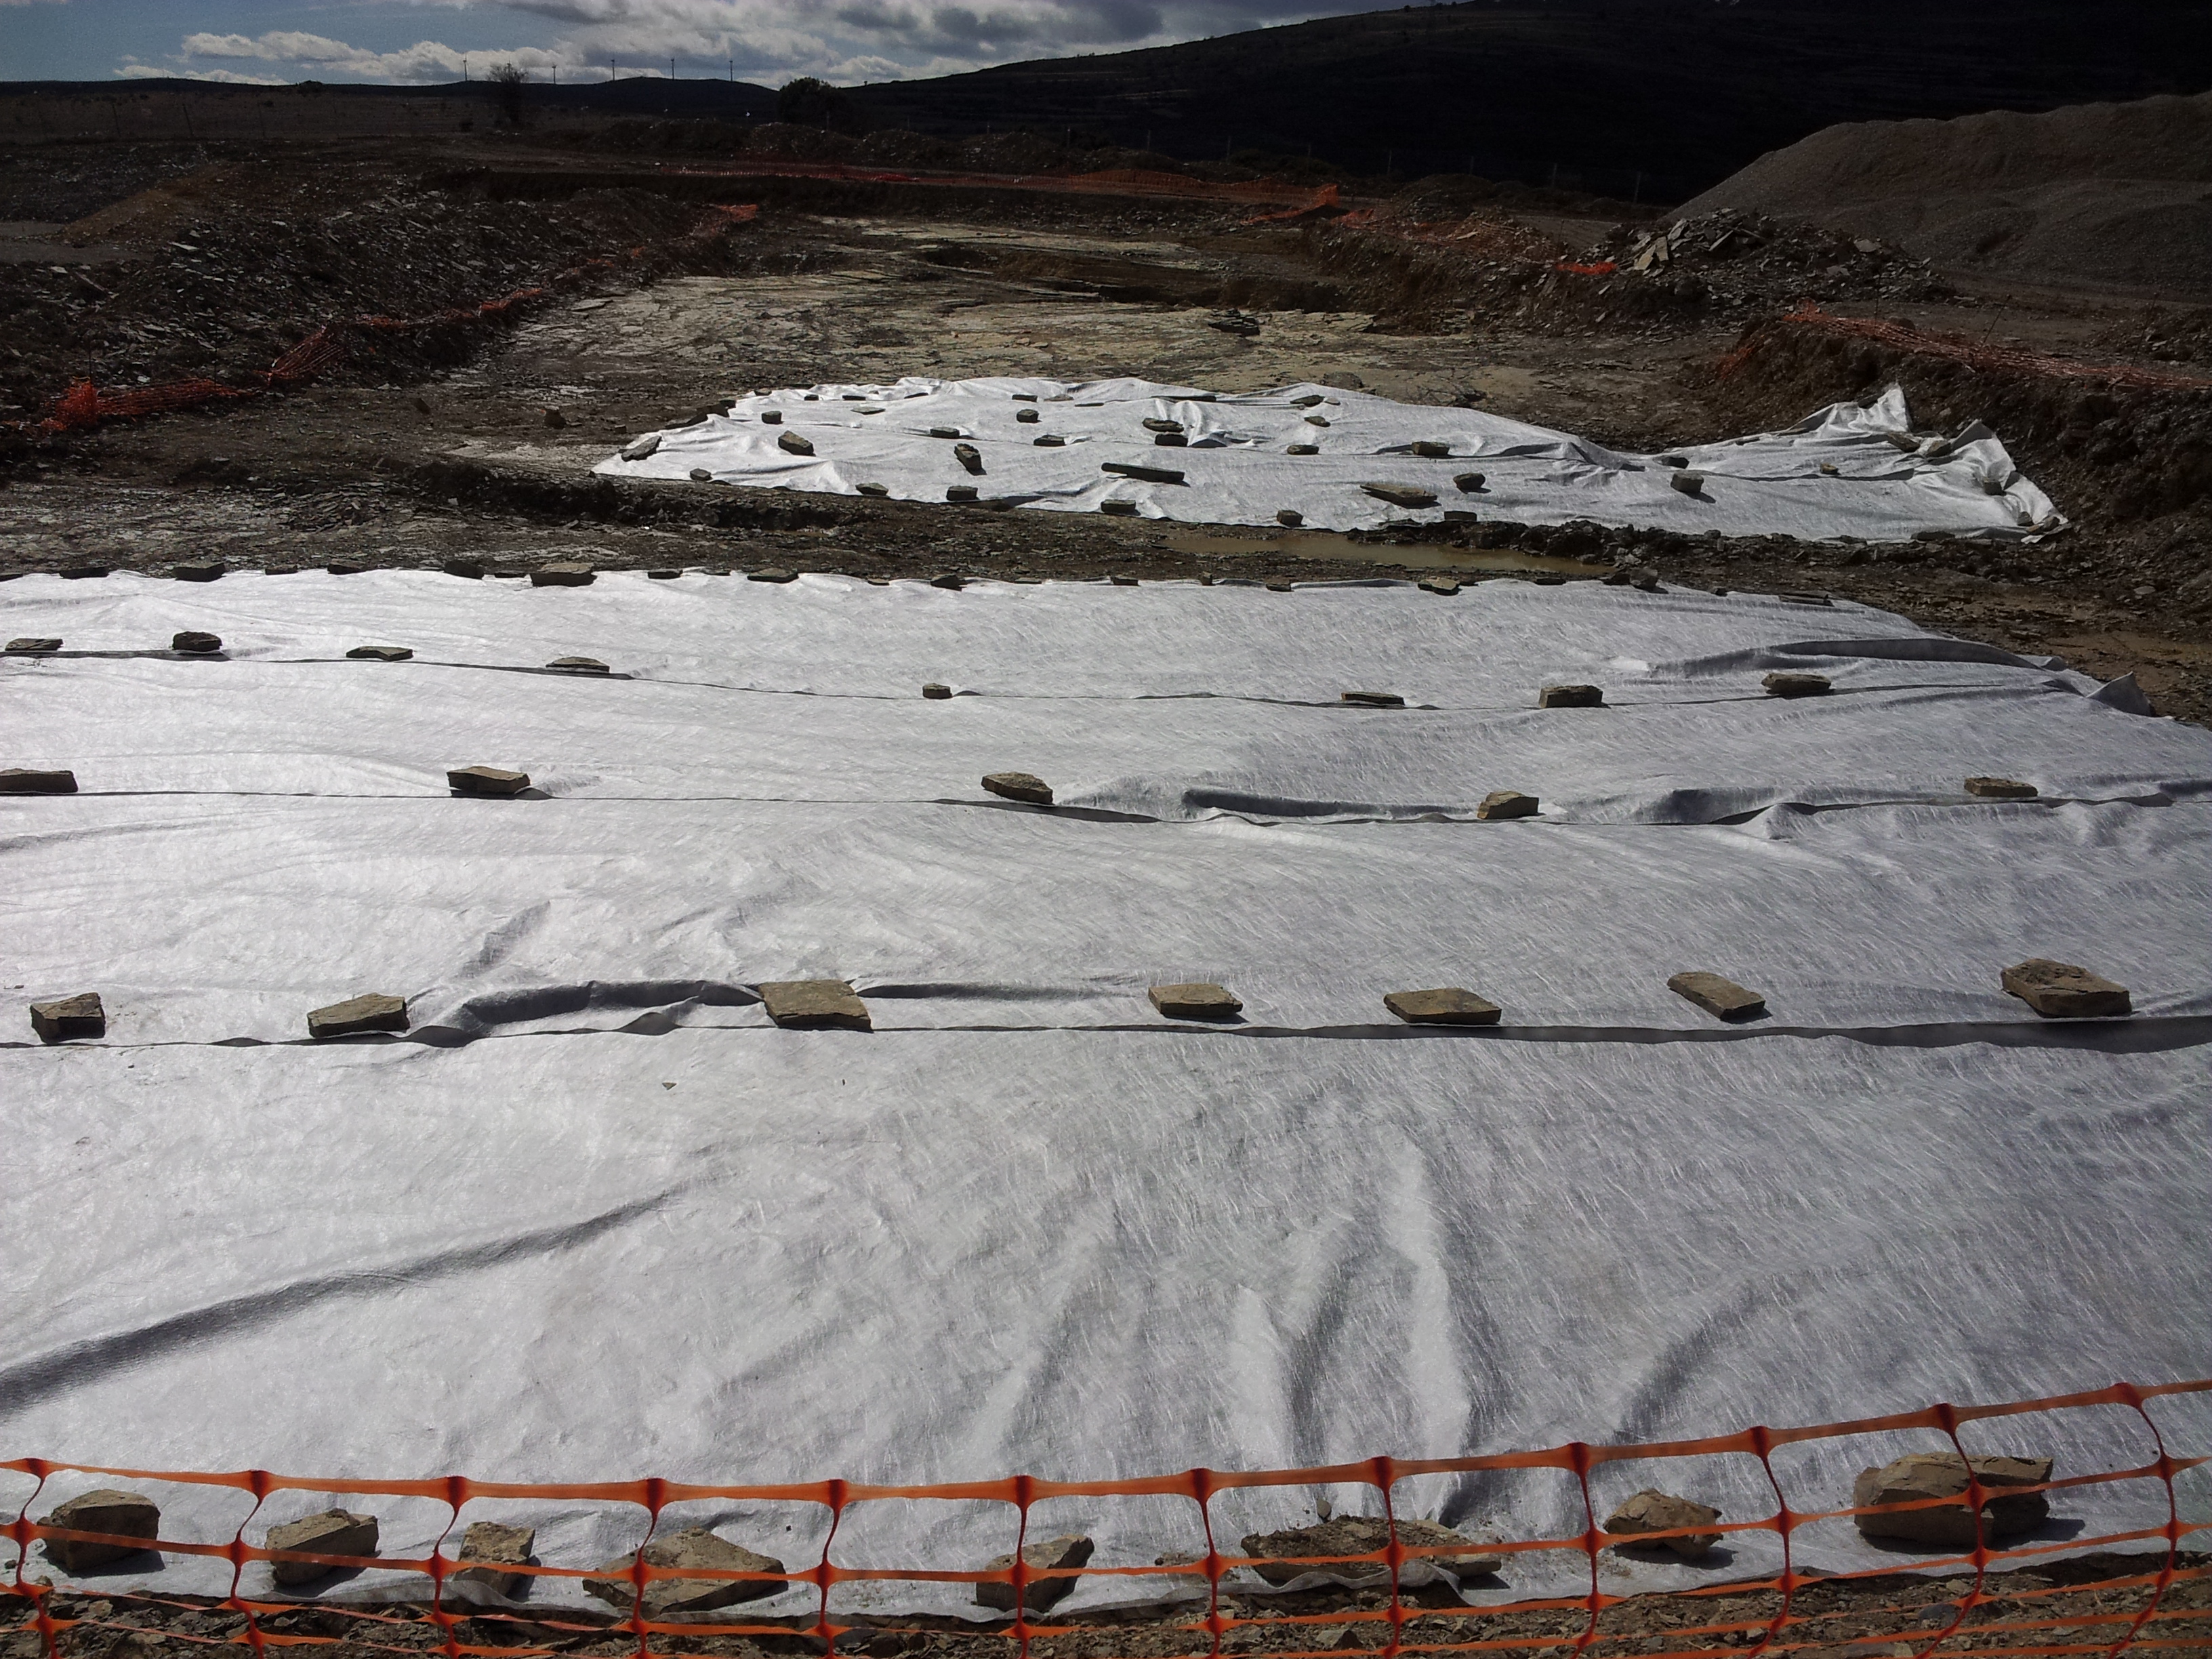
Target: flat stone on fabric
195, 643
1398, 494
1289, 517
1282, 1556
1024, 787
1446, 585
104, 1509
936, 691
1199, 999
1920, 1475
1571, 697
373, 1013
80, 1016
486, 780
1796, 685
969, 457
25, 780
565, 572
379, 653
1652, 1510
663, 575
950, 581
2059, 990
693, 1550
201, 571
960, 492
1372, 699
1449, 1005
1428, 449
497, 1547
467, 569
334, 1532
1119, 509
34, 646
1301, 449
880, 491
580, 666
1144, 474
1467, 484
792, 444
1052, 1561
1690, 484
1723, 998
1508, 803
772, 574
815, 1004
2001, 789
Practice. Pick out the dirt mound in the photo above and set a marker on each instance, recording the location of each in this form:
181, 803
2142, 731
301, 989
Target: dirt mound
2114, 195
1745, 260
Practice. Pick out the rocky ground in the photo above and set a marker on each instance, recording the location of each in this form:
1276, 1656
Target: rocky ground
474, 438
2084, 1605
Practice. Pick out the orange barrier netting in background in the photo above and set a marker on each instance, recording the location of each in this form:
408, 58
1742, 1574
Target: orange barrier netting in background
85, 405
1979, 355
1407, 1629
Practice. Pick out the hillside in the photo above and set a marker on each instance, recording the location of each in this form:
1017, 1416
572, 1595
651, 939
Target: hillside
1663, 98
2116, 194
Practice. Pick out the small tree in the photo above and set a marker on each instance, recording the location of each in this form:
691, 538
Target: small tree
507, 84
807, 101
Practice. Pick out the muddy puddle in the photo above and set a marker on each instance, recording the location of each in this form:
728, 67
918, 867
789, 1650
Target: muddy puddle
1217, 541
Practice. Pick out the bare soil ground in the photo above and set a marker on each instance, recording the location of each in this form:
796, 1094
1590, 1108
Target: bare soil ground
2088, 1604
475, 438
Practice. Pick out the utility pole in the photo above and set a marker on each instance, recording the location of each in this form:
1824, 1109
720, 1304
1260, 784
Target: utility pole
465, 70
671, 69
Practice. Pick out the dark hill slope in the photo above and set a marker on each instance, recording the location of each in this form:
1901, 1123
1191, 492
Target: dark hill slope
1683, 91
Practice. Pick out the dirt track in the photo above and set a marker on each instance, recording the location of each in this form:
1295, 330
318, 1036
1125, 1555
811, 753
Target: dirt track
444, 449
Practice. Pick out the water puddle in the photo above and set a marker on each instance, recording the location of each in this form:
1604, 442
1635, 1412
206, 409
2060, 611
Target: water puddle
1332, 544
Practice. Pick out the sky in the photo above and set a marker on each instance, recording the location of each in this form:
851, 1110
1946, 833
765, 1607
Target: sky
767, 41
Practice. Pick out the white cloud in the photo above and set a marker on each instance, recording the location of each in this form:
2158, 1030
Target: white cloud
767, 40
133, 70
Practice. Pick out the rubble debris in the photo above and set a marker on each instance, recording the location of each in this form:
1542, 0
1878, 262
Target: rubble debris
579, 666
1723, 998
34, 645
1796, 685
25, 780
1447, 1005
486, 780
68, 1018
1920, 1475
2060, 990
815, 1004
694, 1549
1372, 699
1651, 1510
193, 642
792, 443
1508, 803
1399, 494
1282, 1558
379, 653
497, 1547
334, 1532
2001, 789
563, 573
1571, 697
1197, 1000
372, 1013
1023, 786
1235, 322
1054, 1560
121, 1513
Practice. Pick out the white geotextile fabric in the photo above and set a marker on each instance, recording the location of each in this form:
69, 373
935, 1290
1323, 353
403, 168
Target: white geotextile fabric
1026, 1225
1836, 473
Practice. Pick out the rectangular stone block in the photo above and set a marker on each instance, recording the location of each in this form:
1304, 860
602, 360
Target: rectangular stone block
1197, 1000
1449, 1005
373, 1012
2001, 789
21, 780
486, 780
497, 1547
815, 1004
80, 1016
102, 1511
334, 1532
1722, 998
562, 573
2059, 990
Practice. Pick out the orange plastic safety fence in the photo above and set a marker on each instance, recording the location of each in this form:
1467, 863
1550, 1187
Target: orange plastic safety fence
1405, 1629
1976, 354
85, 405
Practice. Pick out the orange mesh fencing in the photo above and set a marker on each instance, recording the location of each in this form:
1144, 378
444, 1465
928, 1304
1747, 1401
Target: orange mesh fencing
1230, 1618
85, 405
1976, 354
